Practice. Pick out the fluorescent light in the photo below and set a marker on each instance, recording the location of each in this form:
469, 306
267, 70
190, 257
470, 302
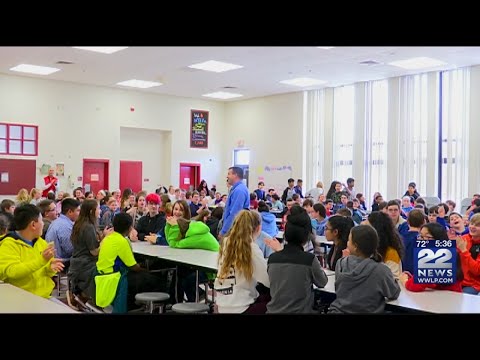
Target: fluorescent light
303, 82
418, 63
102, 49
326, 47
34, 69
223, 95
215, 66
139, 83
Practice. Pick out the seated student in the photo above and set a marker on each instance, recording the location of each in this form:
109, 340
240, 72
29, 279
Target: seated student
276, 203
241, 267
319, 219
151, 227
253, 201
4, 225
362, 282
433, 231
406, 205
85, 239
457, 224
107, 218
7, 208
415, 221
412, 192
337, 230
390, 245
269, 224
292, 271
377, 199
116, 256
468, 246
186, 234
213, 221
26, 260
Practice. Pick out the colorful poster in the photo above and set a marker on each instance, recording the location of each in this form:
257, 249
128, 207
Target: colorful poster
199, 129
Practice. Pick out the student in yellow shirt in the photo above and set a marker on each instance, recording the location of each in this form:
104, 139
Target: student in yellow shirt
116, 256
26, 260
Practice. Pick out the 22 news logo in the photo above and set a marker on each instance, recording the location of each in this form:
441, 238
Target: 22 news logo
435, 262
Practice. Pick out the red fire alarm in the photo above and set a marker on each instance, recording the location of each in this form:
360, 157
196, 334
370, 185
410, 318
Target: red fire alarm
132, 108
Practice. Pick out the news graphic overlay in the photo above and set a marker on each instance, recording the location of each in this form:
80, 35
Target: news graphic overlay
435, 262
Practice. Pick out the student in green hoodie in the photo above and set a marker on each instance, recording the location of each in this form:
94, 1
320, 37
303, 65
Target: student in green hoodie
185, 234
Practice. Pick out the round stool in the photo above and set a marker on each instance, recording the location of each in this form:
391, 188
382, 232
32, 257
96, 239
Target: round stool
191, 308
151, 298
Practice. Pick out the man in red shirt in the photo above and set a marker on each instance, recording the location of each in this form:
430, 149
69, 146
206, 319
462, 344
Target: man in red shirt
50, 183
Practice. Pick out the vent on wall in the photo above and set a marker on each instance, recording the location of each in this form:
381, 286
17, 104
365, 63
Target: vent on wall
62, 62
229, 87
369, 62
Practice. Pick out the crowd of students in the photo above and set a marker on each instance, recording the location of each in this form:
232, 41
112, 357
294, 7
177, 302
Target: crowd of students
371, 253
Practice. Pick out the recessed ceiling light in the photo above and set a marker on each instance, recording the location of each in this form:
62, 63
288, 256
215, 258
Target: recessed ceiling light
326, 47
222, 95
215, 66
34, 69
418, 63
139, 83
102, 49
303, 82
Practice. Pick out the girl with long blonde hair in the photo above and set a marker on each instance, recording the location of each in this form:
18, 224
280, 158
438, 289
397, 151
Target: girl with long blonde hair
241, 267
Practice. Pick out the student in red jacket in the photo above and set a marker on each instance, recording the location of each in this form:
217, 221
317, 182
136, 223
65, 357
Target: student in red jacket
468, 246
433, 231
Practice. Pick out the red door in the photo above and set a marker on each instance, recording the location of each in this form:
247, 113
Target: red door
189, 176
16, 174
131, 175
95, 175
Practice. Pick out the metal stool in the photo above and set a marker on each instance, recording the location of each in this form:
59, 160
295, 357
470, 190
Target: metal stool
153, 300
190, 308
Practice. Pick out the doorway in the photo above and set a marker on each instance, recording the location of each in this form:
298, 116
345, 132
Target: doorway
131, 175
189, 176
95, 174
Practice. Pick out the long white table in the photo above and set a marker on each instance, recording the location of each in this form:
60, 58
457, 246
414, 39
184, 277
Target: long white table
199, 258
16, 300
430, 301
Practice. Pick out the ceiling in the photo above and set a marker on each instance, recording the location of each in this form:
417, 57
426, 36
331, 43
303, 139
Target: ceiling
263, 67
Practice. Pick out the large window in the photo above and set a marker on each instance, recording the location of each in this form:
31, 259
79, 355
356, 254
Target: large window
415, 111
376, 142
455, 130
343, 126
18, 139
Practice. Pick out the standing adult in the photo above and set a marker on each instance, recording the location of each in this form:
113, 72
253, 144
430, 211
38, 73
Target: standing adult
51, 183
238, 198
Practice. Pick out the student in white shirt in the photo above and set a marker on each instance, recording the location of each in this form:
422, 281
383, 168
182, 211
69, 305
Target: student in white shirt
242, 268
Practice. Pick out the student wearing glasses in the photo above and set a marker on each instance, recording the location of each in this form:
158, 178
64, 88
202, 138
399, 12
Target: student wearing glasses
49, 213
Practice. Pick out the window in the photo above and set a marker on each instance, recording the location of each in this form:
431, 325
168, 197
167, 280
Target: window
241, 158
18, 139
343, 126
376, 141
416, 112
455, 132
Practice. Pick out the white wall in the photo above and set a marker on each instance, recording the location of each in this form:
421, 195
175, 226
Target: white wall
271, 128
79, 121
153, 148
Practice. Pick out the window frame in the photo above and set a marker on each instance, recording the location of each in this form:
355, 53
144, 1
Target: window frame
22, 139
